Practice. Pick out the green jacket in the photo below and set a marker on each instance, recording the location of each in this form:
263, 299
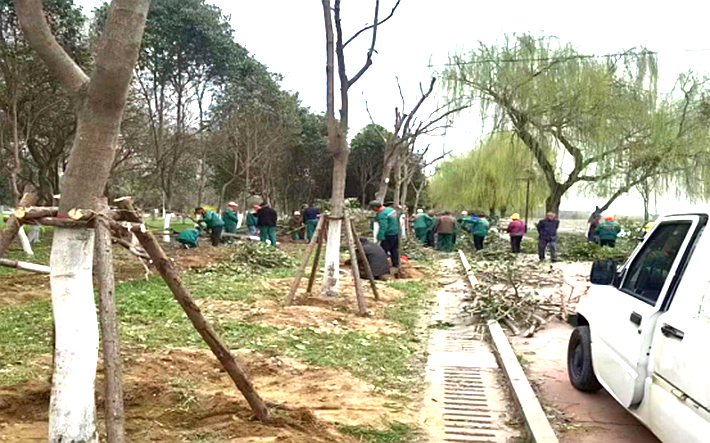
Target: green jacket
230, 220
388, 219
252, 220
608, 230
466, 223
422, 221
189, 237
481, 227
212, 220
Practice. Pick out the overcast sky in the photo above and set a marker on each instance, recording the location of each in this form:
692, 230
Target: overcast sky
288, 36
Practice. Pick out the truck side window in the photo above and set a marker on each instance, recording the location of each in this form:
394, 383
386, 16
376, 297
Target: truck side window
649, 270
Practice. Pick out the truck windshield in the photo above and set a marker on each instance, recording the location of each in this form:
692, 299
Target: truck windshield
650, 269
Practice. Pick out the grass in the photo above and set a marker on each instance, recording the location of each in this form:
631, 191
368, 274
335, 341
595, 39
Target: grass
393, 433
151, 318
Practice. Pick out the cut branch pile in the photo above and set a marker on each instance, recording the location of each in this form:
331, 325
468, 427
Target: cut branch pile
521, 294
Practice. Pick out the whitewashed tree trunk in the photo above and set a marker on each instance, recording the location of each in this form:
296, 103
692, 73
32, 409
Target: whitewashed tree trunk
72, 410
166, 228
332, 259
25, 242
375, 230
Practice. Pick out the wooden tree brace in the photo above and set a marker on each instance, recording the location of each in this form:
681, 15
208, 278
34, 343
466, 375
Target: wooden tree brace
31, 267
306, 257
13, 225
316, 260
172, 278
355, 269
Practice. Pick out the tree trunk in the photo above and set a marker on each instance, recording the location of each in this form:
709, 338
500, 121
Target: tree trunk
100, 102
554, 199
384, 183
15, 171
331, 272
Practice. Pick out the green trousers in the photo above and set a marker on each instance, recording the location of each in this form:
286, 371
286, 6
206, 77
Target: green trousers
421, 234
446, 242
311, 228
268, 234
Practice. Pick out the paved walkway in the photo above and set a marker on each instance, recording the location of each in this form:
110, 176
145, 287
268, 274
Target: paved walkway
466, 399
593, 418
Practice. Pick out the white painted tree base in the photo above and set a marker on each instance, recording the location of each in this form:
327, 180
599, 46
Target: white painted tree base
331, 272
72, 409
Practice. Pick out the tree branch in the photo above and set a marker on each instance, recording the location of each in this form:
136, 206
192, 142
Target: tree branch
375, 24
36, 30
368, 61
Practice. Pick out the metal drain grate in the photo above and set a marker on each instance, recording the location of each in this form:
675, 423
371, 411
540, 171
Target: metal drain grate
467, 416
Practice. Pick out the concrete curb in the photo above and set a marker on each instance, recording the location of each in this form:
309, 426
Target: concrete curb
535, 419
471, 278
536, 422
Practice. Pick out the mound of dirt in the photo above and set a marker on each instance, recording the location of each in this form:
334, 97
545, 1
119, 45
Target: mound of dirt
179, 394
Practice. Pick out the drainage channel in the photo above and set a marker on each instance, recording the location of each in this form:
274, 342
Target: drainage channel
466, 401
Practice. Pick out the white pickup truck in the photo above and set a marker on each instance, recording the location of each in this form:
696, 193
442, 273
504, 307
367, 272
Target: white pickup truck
643, 330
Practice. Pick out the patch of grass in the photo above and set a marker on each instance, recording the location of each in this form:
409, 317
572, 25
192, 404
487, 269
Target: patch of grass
393, 433
408, 310
25, 333
383, 360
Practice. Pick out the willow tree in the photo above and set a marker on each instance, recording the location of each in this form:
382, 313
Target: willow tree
493, 177
592, 111
99, 102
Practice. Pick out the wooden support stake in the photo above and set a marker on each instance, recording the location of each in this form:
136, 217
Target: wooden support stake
25, 214
363, 258
40, 269
13, 225
110, 341
306, 257
314, 269
172, 278
356, 269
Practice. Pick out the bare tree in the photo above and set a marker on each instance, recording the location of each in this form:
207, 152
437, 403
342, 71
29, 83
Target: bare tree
337, 130
407, 128
99, 102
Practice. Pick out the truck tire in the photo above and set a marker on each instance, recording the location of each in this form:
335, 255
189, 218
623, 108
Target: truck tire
579, 361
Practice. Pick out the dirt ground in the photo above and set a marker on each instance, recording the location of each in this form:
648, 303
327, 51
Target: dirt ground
180, 394
184, 395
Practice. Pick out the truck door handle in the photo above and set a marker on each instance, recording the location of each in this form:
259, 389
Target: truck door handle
671, 332
636, 318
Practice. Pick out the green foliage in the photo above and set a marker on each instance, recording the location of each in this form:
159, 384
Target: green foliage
413, 250
253, 257
393, 433
604, 113
575, 247
367, 151
490, 178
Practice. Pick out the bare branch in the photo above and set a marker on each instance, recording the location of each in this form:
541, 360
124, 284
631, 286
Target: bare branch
400, 90
375, 24
368, 61
37, 32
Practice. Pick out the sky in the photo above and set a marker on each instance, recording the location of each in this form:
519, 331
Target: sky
288, 36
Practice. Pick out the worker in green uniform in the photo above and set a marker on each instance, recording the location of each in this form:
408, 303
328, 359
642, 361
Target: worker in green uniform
388, 234
479, 231
607, 232
253, 221
213, 222
188, 237
310, 217
230, 219
422, 222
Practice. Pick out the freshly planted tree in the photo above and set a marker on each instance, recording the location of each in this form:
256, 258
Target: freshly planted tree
338, 129
99, 102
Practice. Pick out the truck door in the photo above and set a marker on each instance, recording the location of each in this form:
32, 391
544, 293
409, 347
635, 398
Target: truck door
622, 338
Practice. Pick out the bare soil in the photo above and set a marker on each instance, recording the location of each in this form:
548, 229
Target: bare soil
332, 315
182, 394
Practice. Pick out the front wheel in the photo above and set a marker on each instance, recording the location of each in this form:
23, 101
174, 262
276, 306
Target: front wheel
579, 361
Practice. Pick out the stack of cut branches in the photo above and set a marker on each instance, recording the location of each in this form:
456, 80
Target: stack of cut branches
521, 294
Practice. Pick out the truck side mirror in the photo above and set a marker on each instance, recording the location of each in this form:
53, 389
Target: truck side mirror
603, 272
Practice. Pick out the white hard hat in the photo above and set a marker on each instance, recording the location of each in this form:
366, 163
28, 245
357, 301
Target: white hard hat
464, 213
232, 204
419, 211
297, 213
